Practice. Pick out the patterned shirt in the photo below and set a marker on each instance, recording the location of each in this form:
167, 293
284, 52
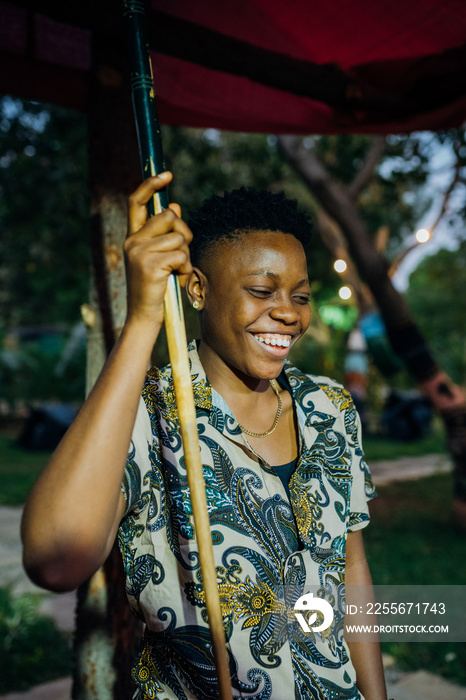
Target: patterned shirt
267, 551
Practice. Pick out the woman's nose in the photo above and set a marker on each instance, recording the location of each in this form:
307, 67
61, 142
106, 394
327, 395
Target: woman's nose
285, 310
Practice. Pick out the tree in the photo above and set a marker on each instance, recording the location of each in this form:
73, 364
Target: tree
342, 204
44, 205
44, 249
435, 293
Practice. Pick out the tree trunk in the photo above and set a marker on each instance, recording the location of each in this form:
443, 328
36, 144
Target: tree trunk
405, 337
106, 630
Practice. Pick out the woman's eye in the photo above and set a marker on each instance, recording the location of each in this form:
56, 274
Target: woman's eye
260, 292
303, 298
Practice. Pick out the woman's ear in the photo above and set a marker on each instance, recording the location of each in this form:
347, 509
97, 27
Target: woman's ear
196, 288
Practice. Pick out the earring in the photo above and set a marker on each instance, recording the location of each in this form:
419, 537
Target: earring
196, 305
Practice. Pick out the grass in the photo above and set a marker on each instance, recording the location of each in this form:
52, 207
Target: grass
18, 471
411, 541
382, 448
32, 650
19, 468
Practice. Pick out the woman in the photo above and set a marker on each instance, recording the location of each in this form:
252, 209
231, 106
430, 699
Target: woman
271, 438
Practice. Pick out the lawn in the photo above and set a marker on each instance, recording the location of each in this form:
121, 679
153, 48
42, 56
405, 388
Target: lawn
382, 448
411, 541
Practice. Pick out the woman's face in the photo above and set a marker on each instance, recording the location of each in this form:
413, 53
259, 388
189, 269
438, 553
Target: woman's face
256, 302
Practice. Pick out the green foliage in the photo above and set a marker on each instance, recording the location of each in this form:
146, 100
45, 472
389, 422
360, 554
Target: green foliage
436, 298
44, 247
405, 545
321, 351
208, 160
455, 141
343, 156
36, 372
44, 212
32, 650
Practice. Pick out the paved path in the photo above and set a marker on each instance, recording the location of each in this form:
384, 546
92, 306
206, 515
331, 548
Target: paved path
420, 685
57, 690
407, 468
59, 606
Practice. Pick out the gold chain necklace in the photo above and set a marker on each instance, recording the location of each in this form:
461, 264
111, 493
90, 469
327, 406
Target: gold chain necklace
274, 386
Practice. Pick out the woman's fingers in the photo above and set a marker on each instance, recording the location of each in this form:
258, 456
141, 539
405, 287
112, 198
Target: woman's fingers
154, 248
163, 224
176, 208
139, 248
137, 203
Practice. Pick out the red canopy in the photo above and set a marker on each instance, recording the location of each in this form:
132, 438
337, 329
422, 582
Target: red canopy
327, 66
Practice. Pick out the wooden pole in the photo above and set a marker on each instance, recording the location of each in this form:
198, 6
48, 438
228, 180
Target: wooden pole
150, 149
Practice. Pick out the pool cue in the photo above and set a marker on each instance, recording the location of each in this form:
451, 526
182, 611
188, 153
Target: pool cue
151, 153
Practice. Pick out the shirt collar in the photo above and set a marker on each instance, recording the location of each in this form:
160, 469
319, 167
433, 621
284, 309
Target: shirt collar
206, 397
202, 390
220, 415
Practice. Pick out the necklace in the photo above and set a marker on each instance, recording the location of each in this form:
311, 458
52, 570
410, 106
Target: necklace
274, 386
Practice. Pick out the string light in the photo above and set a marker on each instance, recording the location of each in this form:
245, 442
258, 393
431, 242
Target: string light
340, 265
345, 292
423, 235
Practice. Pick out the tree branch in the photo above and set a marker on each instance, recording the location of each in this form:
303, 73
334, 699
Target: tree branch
367, 169
446, 198
447, 195
336, 202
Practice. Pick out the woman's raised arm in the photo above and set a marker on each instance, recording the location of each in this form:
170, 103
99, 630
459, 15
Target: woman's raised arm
72, 514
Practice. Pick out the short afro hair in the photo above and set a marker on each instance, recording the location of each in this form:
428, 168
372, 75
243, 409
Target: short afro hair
242, 210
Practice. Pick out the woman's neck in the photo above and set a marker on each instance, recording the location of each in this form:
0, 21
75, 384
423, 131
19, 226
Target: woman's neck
228, 382
253, 403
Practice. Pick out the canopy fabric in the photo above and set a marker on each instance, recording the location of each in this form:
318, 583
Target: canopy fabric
327, 66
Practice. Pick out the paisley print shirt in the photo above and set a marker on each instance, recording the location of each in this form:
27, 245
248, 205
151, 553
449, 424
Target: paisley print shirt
267, 550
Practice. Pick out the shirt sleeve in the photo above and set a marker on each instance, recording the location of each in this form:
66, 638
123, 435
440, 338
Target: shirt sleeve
138, 461
362, 487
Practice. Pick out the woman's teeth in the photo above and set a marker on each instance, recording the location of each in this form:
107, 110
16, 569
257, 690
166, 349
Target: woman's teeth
281, 342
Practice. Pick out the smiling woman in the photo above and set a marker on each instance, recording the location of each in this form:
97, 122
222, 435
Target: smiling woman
286, 483
250, 318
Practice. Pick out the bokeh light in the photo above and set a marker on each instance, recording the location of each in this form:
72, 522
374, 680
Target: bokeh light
340, 265
345, 292
423, 235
